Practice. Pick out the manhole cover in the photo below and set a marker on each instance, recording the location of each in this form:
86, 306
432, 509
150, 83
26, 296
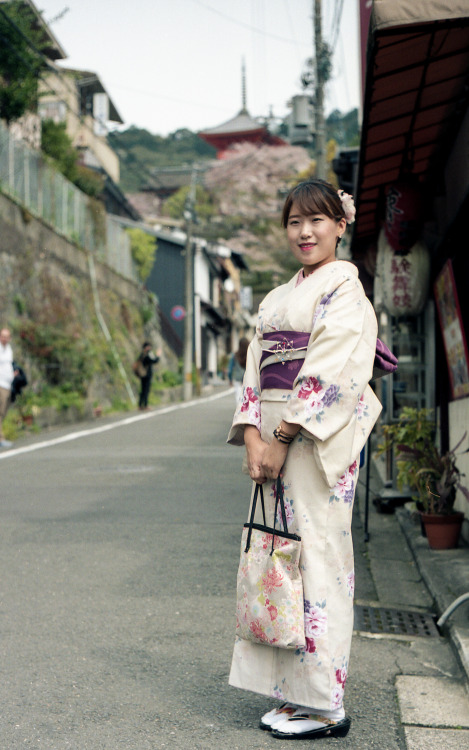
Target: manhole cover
395, 621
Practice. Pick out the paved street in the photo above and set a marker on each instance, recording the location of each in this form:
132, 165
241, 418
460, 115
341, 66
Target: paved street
118, 554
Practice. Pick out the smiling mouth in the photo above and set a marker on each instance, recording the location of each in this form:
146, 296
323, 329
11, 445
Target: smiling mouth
307, 246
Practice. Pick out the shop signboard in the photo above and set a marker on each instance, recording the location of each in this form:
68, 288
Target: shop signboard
452, 329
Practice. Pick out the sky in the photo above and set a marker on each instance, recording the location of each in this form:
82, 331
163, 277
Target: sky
170, 64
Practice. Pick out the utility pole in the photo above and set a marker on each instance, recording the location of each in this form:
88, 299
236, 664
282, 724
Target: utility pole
188, 289
320, 138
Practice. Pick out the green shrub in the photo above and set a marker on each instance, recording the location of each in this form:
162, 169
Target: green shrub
10, 425
120, 404
146, 313
63, 359
143, 249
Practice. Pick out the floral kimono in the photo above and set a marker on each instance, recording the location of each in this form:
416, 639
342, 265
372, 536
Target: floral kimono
310, 363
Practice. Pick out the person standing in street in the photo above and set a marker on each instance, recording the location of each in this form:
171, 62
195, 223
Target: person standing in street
7, 374
306, 412
146, 361
237, 367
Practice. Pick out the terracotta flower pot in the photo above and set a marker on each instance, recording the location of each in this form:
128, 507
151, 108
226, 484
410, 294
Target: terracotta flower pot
443, 531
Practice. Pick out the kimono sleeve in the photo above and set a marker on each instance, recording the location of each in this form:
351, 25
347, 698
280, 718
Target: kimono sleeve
248, 410
328, 392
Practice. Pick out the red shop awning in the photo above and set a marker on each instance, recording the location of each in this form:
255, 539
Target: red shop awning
417, 89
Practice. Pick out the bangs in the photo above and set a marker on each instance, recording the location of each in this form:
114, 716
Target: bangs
313, 198
310, 201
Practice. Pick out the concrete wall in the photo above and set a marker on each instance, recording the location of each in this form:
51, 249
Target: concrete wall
202, 276
22, 234
45, 280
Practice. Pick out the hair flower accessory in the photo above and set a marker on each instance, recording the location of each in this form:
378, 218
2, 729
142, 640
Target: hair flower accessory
348, 205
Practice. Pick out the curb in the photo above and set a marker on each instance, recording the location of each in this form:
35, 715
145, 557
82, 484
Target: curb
446, 576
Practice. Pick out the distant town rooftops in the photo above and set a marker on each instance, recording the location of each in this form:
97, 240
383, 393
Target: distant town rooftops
178, 237
165, 181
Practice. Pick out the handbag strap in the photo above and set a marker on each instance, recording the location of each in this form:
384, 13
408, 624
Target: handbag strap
258, 491
279, 500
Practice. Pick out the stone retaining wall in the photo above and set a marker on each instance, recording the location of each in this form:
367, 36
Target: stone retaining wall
22, 235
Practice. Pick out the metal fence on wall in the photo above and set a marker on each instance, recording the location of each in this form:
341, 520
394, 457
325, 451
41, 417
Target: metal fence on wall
26, 177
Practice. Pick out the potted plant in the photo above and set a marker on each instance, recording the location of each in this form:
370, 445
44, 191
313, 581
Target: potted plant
433, 477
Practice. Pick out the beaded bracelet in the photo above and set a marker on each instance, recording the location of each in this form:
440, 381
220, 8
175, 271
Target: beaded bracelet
282, 436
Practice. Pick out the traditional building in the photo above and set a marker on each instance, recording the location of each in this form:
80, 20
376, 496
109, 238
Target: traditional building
412, 195
78, 99
221, 315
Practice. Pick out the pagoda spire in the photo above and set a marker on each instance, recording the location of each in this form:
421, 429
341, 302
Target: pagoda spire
244, 110
239, 129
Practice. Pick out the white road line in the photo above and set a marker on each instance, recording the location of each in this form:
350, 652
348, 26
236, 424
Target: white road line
114, 425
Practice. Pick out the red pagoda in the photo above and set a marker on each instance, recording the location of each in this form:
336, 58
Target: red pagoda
240, 129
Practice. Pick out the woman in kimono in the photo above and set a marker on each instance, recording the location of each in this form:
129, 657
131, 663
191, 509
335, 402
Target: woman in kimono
306, 412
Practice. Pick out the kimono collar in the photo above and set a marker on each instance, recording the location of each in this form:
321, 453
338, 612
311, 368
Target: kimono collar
336, 265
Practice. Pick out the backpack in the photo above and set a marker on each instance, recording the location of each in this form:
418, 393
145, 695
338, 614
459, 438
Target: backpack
139, 368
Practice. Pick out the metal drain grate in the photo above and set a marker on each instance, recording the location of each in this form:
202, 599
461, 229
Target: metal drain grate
395, 621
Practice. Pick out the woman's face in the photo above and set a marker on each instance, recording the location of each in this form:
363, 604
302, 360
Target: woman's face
313, 238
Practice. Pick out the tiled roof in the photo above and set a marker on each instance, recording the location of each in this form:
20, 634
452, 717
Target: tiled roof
242, 123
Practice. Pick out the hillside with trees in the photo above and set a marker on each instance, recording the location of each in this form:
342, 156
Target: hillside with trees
139, 150
238, 198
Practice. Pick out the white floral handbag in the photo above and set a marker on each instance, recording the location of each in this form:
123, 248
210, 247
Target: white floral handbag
270, 607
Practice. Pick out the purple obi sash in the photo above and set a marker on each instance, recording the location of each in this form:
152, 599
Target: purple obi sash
385, 361
284, 353
282, 358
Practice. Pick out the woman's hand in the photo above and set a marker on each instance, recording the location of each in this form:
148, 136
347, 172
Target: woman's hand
273, 459
255, 449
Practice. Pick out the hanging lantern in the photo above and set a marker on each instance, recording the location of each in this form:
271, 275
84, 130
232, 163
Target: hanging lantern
402, 282
404, 210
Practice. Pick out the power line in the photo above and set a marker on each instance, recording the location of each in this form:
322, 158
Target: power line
334, 18
167, 98
245, 25
292, 28
59, 16
335, 39
335, 30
